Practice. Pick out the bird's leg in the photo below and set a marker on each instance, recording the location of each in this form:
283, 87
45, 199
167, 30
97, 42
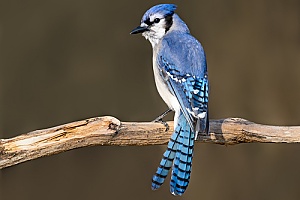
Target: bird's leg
160, 117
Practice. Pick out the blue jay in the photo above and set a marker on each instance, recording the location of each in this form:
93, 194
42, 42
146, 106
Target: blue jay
180, 72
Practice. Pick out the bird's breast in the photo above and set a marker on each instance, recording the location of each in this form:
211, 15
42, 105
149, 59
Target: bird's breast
163, 90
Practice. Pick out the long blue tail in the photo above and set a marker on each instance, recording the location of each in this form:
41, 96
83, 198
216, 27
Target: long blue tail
180, 150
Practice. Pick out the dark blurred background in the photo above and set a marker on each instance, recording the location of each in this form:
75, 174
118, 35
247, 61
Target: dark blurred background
63, 61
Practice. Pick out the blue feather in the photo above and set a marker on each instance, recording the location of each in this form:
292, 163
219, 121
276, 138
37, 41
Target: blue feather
183, 158
166, 162
180, 149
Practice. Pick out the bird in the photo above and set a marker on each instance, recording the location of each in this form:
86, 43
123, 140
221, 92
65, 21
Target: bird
181, 78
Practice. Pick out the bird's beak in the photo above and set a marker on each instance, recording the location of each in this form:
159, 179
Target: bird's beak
139, 29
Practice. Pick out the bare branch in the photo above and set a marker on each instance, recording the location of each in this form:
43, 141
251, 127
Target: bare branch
110, 131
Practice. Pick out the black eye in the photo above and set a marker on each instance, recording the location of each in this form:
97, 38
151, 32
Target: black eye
156, 20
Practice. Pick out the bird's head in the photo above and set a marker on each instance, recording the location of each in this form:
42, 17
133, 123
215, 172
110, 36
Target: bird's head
156, 22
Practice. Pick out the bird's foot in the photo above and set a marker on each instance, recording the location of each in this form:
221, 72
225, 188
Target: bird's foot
160, 117
162, 122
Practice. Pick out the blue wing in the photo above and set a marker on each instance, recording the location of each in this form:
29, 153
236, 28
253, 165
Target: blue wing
182, 64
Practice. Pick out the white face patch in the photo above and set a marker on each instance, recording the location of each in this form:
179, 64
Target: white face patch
156, 30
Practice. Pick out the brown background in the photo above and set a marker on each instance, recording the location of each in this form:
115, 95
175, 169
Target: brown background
63, 61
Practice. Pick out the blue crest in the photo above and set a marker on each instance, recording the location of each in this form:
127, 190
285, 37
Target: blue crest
164, 9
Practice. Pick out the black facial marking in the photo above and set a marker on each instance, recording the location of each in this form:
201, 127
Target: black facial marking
147, 21
169, 22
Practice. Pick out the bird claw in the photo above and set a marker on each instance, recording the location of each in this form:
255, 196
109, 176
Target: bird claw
162, 122
160, 117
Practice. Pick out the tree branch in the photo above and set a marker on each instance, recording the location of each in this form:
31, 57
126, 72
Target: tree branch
110, 131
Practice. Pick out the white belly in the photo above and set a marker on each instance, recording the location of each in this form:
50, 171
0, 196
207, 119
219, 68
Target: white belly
163, 90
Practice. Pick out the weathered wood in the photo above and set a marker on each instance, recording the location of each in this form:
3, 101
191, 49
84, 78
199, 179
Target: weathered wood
110, 131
